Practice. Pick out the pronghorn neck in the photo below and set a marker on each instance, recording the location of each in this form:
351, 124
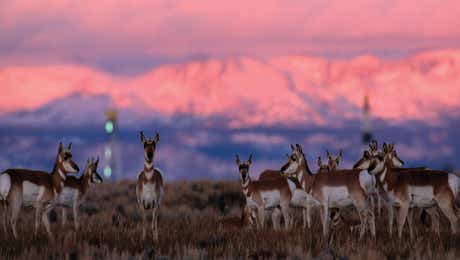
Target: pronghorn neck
86, 179
304, 174
148, 166
245, 186
58, 175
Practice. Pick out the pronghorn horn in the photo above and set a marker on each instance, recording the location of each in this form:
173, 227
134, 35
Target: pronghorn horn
320, 163
328, 154
60, 147
385, 147
88, 161
340, 153
97, 161
238, 161
292, 147
142, 136
250, 159
299, 148
69, 146
157, 137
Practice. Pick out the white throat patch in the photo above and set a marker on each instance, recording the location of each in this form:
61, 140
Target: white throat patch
62, 174
148, 165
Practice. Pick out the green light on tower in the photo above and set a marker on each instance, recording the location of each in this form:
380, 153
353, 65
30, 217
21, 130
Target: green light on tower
109, 127
107, 171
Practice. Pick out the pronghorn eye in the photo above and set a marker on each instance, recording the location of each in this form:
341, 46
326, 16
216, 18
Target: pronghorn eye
294, 158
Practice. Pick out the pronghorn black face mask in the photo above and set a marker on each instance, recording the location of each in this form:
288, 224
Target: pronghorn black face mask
243, 168
65, 159
149, 146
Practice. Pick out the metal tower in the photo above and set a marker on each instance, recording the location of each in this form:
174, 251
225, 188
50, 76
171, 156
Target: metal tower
366, 135
112, 167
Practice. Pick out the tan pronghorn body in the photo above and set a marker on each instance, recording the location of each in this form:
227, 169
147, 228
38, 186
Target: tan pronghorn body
418, 188
75, 189
342, 188
396, 162
22, 187
149, 187
262, 195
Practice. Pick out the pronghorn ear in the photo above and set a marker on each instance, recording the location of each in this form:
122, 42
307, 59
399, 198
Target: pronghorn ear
299, 148
328, 154
142, 136
366, 154
60, 147
69, 147
157, 137
97, 161
238, 161
88, 161
385, 148
250, 159
340, 153
292, 147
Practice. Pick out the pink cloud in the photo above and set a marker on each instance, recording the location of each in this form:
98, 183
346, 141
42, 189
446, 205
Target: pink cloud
289, 90
95, 30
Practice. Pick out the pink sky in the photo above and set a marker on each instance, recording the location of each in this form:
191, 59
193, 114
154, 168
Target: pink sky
255, 51
107, 31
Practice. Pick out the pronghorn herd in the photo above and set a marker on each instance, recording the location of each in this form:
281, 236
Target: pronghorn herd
378, 176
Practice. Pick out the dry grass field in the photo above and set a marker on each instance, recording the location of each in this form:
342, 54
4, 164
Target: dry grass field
189, 228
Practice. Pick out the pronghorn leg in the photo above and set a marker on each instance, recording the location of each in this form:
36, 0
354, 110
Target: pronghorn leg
447, 206
391, 213
325, 218
308, 212
64, 217
15, 207
372, 221
4, 216
402, 216
276, 218
144, 221
38, 213
434, 215
286, 214
155, 223
379, 205
410, 217
304, 218
261, 217
75, 216
46, 221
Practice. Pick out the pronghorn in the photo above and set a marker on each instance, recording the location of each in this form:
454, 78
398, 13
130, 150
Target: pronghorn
23, 187
418, 188
149, 187
398, 163
264, 194
322, 167
341, 189
333, 162
75, 190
